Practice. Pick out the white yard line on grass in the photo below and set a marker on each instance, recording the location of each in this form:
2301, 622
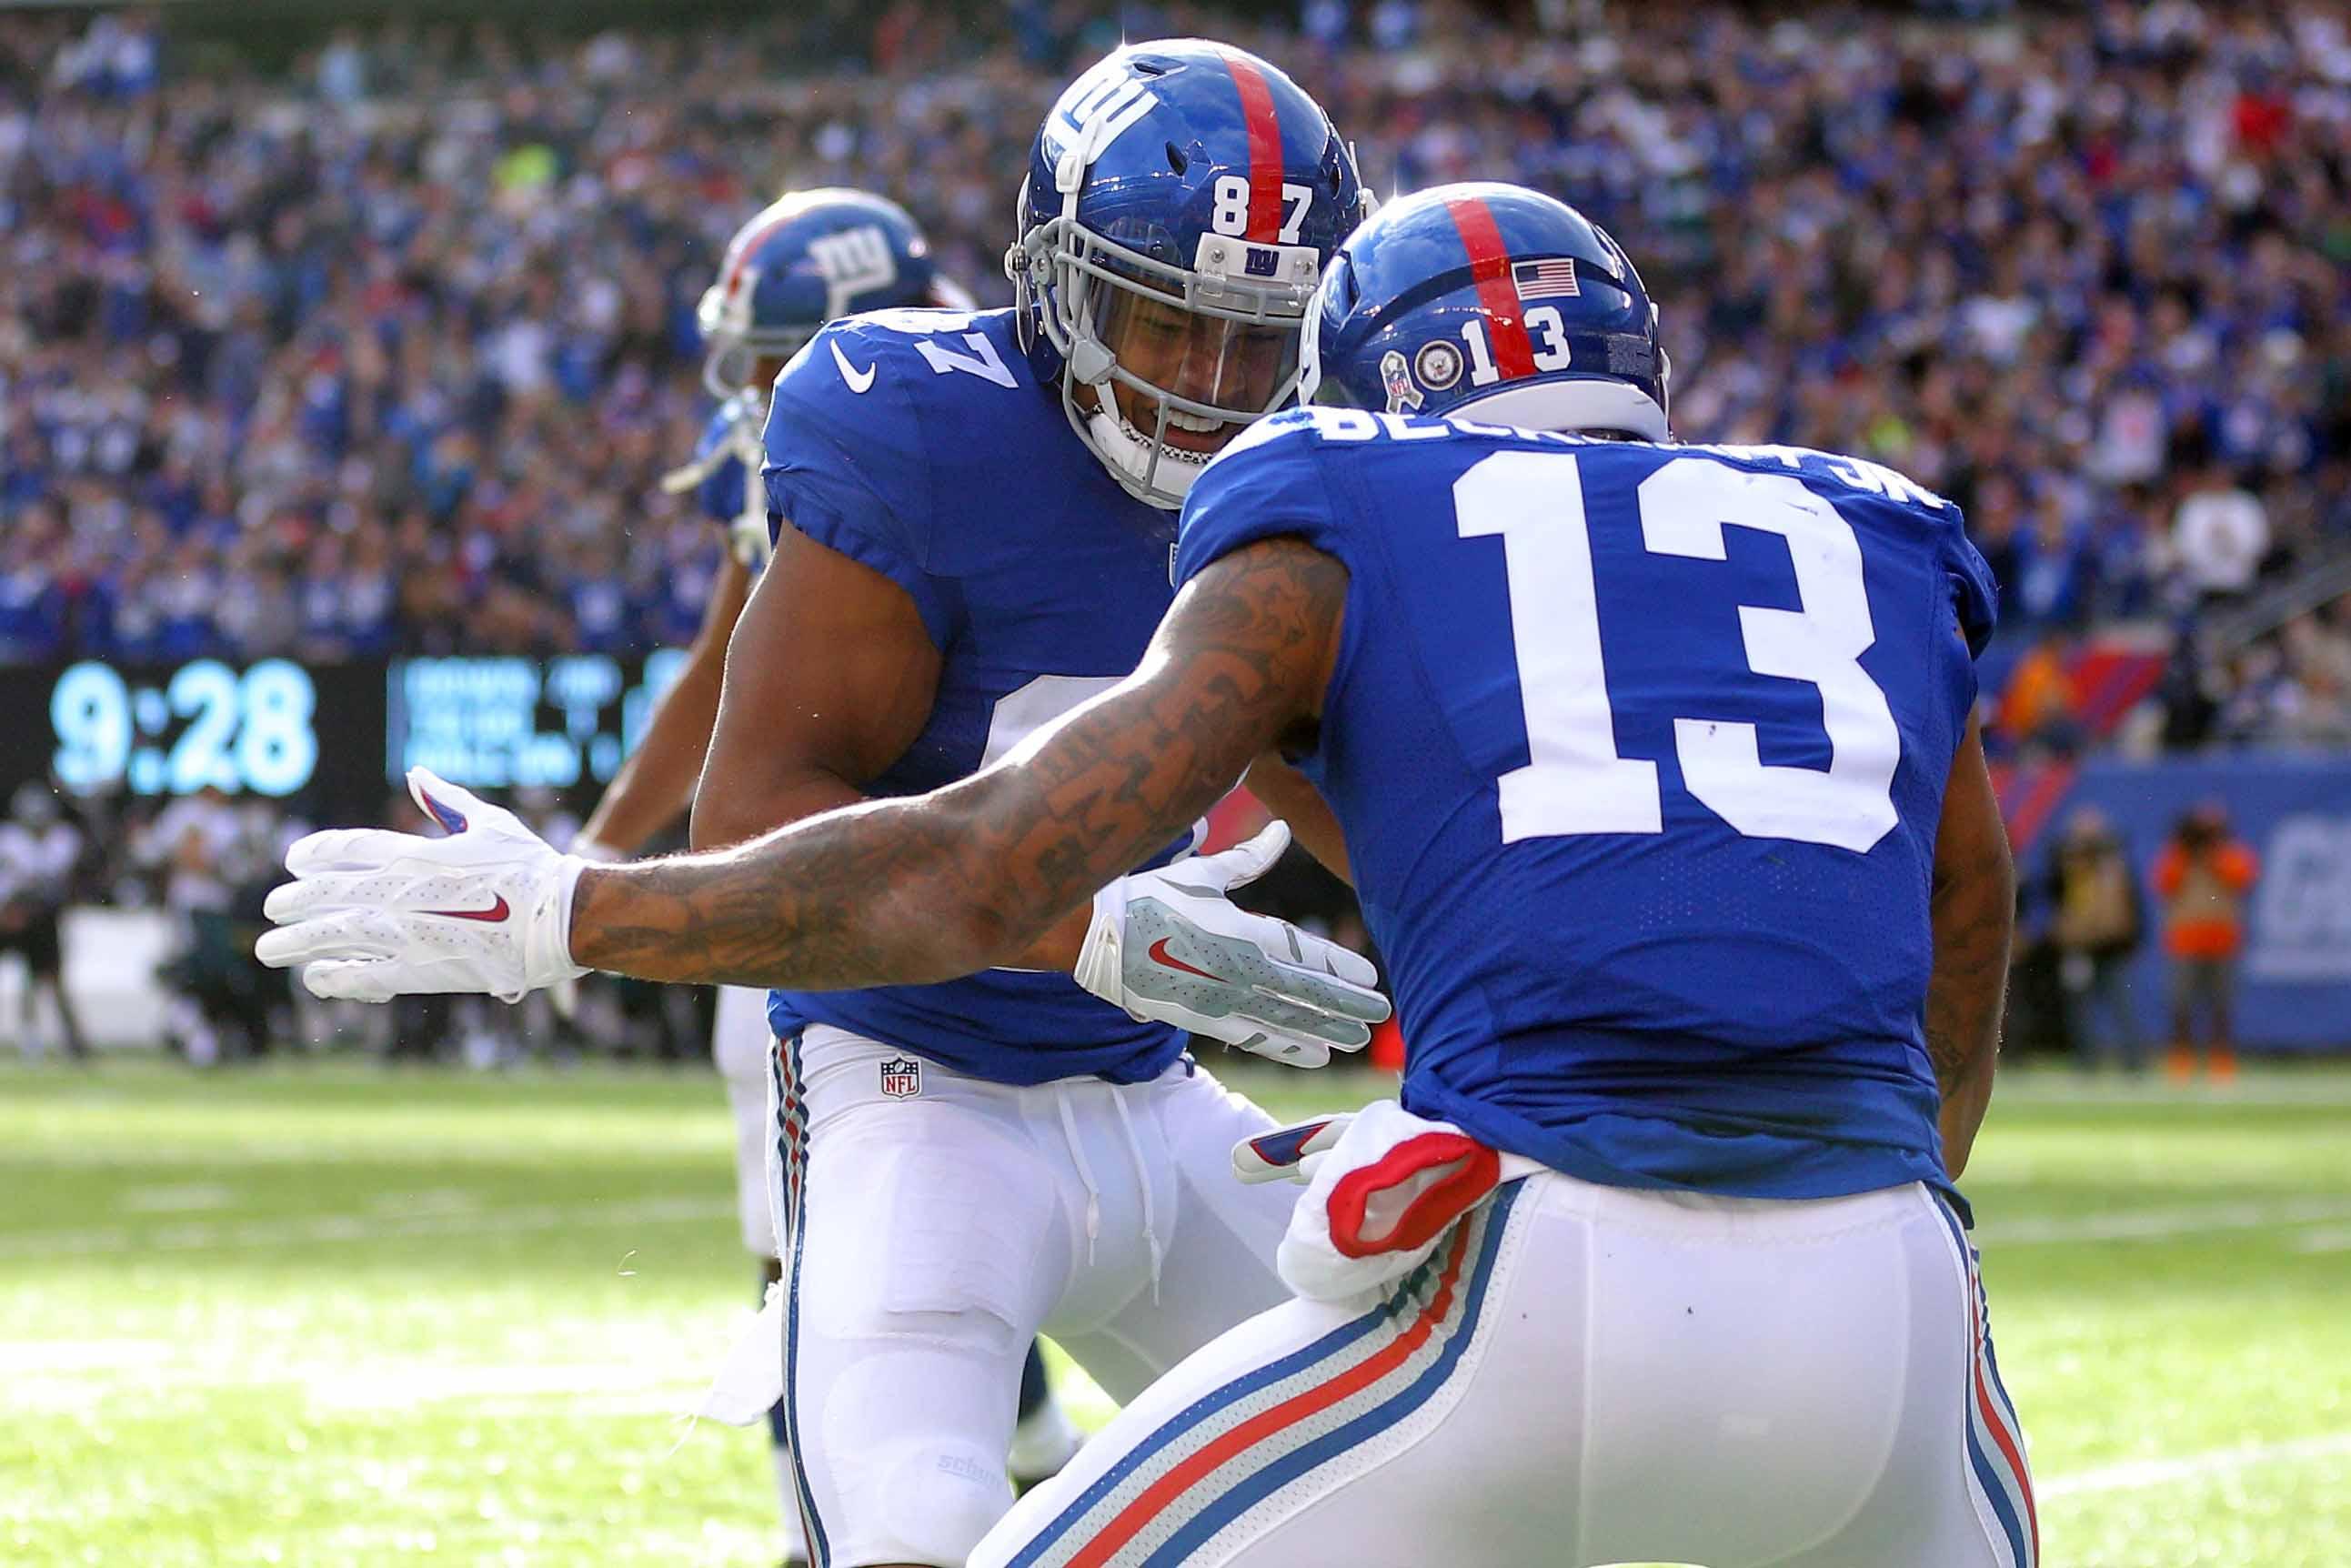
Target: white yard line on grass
2161, 1224
2136, 1474
308, 1229
2327, 1238
186, 1199
427, 1200
400, 1385
167, 1370
440, 1213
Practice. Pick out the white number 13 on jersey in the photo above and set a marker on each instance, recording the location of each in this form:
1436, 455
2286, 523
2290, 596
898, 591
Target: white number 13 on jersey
1574, 781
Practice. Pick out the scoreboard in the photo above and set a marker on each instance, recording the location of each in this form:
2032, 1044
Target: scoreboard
337, 736
495, 723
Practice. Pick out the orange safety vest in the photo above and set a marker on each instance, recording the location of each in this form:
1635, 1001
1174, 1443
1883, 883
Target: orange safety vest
2204, 900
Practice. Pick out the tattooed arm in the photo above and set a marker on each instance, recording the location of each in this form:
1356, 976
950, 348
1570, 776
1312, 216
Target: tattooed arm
828, 678
1974, 915
946, 883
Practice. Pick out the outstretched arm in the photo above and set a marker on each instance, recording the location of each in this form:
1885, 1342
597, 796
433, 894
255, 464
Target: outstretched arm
1974, 916
910, 891
940, 885
656, 784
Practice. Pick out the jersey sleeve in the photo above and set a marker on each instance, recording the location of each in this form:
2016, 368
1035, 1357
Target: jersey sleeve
845, 466
1974, 594
1266, 483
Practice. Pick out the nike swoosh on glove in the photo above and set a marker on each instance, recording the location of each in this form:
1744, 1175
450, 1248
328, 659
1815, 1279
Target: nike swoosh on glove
371, 915
1168, 945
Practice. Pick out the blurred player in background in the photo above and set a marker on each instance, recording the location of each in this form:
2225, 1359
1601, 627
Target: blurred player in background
798, 264
1656, 768
38, 851
976, 535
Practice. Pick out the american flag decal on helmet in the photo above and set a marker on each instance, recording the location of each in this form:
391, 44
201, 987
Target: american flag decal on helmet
1552, 279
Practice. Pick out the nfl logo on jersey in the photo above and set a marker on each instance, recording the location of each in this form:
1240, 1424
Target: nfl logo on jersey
901, 1078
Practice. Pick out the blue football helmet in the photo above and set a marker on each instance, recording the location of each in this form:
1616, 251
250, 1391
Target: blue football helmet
801, 262
1182, 200
1489, 295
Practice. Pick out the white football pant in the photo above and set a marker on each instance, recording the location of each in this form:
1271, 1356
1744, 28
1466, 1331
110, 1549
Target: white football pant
934, 1224
1583, 1375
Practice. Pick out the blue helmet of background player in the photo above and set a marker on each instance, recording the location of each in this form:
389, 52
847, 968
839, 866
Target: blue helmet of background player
1492, 295
1182, 200
798, 264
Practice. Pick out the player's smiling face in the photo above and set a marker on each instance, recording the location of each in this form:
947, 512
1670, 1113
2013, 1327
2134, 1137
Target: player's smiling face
1204, 358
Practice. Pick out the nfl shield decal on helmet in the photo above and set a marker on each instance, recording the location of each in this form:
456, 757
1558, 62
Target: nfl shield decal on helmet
1402, 394
902, 1077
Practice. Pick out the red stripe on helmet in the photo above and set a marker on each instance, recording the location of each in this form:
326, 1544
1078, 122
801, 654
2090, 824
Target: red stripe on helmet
1489, 264
750, 246
1264, 149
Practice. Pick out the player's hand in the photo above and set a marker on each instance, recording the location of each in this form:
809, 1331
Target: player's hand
1168, 945
374, 914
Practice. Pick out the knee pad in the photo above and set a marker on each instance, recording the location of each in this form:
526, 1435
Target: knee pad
939, 1240
926, 1501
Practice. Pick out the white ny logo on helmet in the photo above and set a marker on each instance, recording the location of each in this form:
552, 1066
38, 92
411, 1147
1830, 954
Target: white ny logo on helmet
1097, 107
852, 262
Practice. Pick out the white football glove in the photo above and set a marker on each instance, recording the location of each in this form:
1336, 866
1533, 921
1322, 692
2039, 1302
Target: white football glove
1289, 1153
373, 915
1168, 945
563, 996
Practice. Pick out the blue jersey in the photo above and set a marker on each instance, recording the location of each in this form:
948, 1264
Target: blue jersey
1640, 751
919, 444
720, 492
730, 440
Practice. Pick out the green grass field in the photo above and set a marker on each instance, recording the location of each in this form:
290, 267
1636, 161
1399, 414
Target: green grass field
327, 1315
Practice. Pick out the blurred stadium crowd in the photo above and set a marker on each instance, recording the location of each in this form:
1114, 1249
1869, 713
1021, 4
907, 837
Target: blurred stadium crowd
387, 348
381, 344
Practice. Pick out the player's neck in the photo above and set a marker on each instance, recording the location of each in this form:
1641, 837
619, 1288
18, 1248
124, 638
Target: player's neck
1584, 408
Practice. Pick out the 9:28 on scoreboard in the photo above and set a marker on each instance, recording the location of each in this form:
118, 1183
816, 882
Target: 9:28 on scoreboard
203, 723
336, 737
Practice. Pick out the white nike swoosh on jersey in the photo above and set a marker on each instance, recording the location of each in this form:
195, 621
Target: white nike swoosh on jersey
859, 381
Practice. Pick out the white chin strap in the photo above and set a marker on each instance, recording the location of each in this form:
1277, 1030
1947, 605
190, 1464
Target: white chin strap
1130, 456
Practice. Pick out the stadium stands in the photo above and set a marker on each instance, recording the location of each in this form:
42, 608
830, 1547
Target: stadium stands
339, 358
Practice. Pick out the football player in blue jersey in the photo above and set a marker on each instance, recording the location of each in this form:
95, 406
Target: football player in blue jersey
974, 516
1659, 783
800, 262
